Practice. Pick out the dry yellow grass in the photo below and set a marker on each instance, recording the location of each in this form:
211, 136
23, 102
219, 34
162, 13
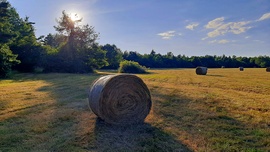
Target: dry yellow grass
225, 110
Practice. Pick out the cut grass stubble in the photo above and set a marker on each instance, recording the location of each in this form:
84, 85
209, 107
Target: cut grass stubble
225, 110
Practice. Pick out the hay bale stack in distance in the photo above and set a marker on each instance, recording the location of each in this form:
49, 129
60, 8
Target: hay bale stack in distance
201, 70
241, 68
268, 69
122, 99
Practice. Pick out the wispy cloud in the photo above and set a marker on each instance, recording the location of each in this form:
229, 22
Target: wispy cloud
167, 35
264, 17
223, 41
259, 41
213, 41
222, 28
215, 23
204, 38
192, 26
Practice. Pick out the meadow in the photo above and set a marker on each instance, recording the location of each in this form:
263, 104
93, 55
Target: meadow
225, 110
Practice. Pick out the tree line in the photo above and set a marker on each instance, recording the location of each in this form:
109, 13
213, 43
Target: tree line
73, 48
169, 60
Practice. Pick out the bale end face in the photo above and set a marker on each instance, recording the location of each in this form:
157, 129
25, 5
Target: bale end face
122, 99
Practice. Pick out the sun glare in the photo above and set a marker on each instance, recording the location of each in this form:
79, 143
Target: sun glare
74, 16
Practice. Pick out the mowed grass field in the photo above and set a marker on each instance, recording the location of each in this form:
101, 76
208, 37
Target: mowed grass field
225, 110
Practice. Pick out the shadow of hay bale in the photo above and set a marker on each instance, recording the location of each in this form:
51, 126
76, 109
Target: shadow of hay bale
215, 75
139, 137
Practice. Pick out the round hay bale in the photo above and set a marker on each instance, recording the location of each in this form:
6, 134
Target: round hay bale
241, 68
122, 99
268, 69
201, 70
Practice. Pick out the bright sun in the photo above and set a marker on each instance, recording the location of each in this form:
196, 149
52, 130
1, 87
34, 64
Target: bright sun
74, 16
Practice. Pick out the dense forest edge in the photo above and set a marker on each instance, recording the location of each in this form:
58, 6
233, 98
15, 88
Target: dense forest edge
74, 49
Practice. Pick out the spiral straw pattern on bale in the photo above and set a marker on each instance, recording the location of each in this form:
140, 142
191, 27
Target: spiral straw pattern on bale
201, 70
120, 99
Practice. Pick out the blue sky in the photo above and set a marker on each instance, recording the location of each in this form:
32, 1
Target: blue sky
186, 27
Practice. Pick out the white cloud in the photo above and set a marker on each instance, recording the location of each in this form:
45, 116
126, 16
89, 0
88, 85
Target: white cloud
215, 23
167, 35
239, 27
214, 33
259, 41
223, 41
192, 26
247, 37
264, 17
204, 38
213, 41
221, 28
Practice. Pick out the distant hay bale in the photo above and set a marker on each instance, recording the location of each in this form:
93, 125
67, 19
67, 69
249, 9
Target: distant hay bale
120, 99
241, 68
201, 70
222, 67
268, 69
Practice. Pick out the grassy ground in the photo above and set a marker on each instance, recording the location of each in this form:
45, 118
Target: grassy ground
226, 110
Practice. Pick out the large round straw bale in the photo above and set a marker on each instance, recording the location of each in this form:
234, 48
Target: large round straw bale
241, 68
120, 99
268, 69
201, 70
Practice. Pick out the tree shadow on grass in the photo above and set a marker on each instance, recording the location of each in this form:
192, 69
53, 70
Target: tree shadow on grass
50, 120
202, 122
67, 115
139, 137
